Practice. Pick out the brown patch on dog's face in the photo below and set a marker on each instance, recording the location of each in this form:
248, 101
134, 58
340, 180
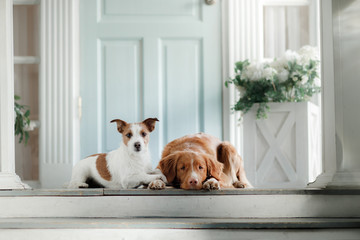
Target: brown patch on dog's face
145, 134
124, 128
127, 134
101, 166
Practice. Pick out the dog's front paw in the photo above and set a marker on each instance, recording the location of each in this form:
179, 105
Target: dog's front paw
239, 184
161, 177
157, 185
211, 184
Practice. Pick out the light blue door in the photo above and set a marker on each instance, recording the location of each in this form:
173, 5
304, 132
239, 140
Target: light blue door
149, 58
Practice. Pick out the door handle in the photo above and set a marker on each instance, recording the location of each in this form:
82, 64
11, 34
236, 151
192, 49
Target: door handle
210, 2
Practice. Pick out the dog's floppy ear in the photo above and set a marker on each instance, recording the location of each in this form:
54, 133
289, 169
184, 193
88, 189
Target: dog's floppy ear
150, 123
167, 166
120, 124
214, 167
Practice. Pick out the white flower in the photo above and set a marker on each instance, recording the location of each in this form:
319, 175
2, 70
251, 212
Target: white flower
304, 79
291, 56
268, 73
279, 64
253, 72
283, 75
257, 71
306, 53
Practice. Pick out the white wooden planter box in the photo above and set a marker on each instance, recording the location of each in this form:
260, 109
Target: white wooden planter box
284, 150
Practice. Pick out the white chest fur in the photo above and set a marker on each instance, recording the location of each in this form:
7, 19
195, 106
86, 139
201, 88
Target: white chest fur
123, 166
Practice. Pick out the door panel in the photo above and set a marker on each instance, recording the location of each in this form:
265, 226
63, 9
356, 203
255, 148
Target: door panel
140, 10
149, 58
182, 87
121, 81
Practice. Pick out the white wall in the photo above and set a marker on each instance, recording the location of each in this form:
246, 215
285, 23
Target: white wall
346, 16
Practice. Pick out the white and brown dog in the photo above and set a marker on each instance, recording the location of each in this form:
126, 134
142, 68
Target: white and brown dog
129, 166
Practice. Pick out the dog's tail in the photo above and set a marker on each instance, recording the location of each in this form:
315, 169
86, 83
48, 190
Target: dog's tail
227, 154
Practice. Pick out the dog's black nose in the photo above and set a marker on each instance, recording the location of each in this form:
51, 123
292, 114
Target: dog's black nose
137, 146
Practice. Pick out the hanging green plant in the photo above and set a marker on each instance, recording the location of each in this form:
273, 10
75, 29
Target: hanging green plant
22, 120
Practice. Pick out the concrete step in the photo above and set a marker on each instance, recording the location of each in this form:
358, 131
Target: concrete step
179, 223
172, 203
179, 228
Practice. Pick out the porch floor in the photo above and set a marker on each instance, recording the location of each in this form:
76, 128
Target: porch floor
169, 191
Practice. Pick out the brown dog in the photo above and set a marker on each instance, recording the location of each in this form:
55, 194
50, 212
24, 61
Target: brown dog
201, 161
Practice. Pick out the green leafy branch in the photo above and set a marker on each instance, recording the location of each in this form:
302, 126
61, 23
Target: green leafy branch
22, 120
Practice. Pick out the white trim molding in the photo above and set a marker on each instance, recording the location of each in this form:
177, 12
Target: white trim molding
9, 180
59, 91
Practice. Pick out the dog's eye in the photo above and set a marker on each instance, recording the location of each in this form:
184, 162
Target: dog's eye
143, 134
129, 135
200, 167
183, 168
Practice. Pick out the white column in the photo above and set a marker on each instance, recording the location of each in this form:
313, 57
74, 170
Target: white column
347, 85
340, 106
59, 91
242, 26
8, 178
328, 96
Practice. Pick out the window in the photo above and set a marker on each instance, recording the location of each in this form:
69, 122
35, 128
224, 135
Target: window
285, 27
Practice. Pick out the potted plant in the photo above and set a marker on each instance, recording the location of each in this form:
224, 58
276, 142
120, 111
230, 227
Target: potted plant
281, 127
291, 78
